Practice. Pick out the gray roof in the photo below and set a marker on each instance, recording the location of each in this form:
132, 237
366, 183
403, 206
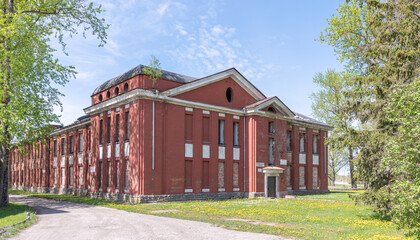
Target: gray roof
304, 118
139, 70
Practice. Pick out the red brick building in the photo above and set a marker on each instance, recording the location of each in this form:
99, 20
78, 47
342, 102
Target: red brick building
180, 138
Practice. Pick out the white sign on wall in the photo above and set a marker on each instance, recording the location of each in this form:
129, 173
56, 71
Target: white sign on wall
259, 164
92, 169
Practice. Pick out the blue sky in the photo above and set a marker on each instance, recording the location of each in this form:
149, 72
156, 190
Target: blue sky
272, 43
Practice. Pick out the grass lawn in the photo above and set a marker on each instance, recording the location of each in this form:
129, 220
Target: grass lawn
296, 218
13, 214
334, 195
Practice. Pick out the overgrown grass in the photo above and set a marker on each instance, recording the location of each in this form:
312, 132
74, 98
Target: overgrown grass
297, 218
334, 195
13, 214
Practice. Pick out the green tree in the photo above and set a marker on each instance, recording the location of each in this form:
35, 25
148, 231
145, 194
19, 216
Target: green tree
327, 106
154, 70
379, 41
29, 71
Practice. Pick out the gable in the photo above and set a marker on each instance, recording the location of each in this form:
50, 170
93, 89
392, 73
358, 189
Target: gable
216, 93
274, 102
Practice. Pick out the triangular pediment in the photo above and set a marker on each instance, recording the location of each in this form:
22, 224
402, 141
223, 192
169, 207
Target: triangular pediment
273, 102
230, 73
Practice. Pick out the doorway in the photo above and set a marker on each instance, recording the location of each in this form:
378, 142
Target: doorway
271, 186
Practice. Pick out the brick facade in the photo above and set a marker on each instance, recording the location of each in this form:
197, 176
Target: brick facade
212, 135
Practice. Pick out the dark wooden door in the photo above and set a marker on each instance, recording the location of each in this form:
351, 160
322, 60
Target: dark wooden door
271, 185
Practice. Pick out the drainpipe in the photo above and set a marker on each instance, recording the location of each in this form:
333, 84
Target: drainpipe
153, 129
244, 150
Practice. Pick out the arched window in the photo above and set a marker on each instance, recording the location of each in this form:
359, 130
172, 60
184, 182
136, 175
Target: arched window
108, 94
126, 87
100, 98
270, 109
229, 94
117, 91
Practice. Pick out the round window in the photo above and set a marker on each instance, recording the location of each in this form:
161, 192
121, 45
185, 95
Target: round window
229, 94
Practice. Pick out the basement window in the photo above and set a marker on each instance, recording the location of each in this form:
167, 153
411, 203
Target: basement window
229, 94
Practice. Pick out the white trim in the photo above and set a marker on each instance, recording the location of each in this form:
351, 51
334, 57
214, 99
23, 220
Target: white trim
188, 190
222, 115
236, 117
273, 101
232, 73
147, 94
221, 189
188, 109
206, 112
205, 190
127, 106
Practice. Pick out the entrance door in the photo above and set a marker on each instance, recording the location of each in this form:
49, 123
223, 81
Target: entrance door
271, 187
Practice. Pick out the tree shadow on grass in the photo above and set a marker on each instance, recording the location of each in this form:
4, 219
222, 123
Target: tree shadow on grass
11, 210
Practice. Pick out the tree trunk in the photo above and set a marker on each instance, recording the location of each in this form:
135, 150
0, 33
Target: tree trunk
4, 175
352, 182
333, 178
4, 146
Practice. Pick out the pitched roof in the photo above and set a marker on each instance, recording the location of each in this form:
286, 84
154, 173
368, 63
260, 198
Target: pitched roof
231, 72
301, 117
139, 70
271, 100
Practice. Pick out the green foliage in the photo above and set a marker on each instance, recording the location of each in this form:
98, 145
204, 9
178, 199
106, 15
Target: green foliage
154, 70
379, 42
29, 72
328, 106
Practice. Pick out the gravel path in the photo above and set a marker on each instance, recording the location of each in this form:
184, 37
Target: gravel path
66, 220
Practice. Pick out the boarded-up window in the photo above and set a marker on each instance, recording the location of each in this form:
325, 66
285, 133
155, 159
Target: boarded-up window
81, 176
221, 131
71, 176
188, 127
288, 176
206, 176
117, 128
270, 127
109, 130
235, 175
71, 144
315, 177
315, 144
63, 177
109, 174
101, 177
55, 177
302, 142
127, 125
188, 174
235, 134
118, 174
206, 129
63, 146
81, 142
55, 148
301, 176
101, 131
270, 151
127, 176
289, 141
221, 175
